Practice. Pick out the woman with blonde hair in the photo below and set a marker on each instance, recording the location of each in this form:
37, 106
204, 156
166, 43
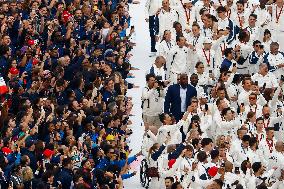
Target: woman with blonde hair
220, 140
28, 177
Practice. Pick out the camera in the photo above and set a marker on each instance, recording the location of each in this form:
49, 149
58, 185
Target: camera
160, 81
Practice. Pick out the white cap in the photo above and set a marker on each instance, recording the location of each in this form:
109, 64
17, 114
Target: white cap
186, 1
207, 40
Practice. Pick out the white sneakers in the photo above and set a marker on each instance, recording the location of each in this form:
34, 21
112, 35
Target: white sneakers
152, 54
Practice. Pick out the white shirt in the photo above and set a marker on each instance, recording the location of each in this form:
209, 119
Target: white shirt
275, 60
166, 20
240, 19
269, 79
207, 57
195, 41
187, 17
277, 20
177, 61
223, 24
153, 101
276, 159
164, 48
151, 7
158, 72
204, 79
265, 149
183, 98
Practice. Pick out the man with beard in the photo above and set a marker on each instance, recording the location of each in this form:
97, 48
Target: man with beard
267, 146
194, 82
51, 58
270, 121
179, 97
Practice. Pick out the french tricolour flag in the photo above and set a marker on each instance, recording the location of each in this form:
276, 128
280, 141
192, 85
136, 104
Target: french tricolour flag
3, 86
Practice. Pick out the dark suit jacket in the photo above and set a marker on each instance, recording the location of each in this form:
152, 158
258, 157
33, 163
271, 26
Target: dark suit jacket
173, 100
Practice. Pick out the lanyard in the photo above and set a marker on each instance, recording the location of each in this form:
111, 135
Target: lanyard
229, 13
244, 150
278, 15
261, 137
223, 48
169, 45
250, 29
195, 41
240, 21
208, 59
266, 125
270, 145
250, 107
187, 14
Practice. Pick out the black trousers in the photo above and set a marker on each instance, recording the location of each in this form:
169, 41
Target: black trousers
153, 29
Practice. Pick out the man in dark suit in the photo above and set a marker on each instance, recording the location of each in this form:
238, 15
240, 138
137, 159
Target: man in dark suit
178, 97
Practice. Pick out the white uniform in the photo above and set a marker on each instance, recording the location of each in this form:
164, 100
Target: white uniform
187, 17
228, 127
239, 155
164, 48
276, 159
207, 57
263, 17
269, 79
204, 79
166, 20
153, 101
277, 23
152, 7
255, 156
255, 33
244, 98
274, 61
252, 108
240, 19
178, 62
195, 41
173, 131
158, 71
266, 148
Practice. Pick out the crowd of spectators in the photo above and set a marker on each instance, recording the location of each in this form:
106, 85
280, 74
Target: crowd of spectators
64, 110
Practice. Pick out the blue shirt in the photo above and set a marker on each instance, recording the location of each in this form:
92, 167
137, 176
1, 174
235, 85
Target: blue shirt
226, 64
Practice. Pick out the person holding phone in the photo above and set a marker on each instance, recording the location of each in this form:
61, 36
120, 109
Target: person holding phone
264, 76
256, 56
228, 61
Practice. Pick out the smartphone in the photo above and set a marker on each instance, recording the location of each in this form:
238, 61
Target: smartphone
256, 83
234, 64
132, 28
237, 170
242, 104
261, 46
206, 107
264, 85
169, 133
210, 71
282, 78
